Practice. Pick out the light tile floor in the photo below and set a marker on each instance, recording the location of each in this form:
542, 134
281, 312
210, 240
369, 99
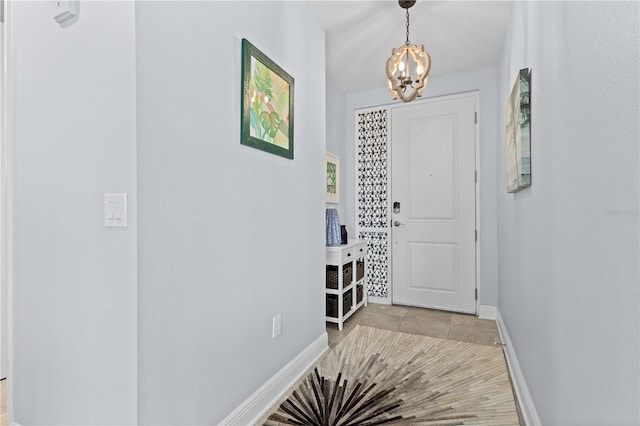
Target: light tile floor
427, 322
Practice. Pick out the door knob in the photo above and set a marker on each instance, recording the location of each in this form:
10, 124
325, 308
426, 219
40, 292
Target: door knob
396, 223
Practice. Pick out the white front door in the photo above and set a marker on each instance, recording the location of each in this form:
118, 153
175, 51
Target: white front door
433, 204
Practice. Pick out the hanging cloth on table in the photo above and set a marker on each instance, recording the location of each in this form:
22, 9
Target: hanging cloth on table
333, 228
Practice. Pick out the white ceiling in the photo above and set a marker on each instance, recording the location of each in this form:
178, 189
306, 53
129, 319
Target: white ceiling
459, 36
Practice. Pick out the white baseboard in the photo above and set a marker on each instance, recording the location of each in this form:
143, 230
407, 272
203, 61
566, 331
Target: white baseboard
379, 300
487, 312
528, 410
256, 406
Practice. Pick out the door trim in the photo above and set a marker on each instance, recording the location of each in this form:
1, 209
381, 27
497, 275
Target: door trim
6, 195
390, 108
476, 95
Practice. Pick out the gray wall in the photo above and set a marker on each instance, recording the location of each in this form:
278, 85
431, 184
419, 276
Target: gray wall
568, 279
483, 80
336, 122
229, 236
74, 128
4, 326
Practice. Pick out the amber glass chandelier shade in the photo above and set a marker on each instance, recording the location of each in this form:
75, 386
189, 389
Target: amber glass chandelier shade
407, 72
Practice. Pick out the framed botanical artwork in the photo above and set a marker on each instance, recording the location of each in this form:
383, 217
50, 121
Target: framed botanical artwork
518, 147
332, 188
267, 103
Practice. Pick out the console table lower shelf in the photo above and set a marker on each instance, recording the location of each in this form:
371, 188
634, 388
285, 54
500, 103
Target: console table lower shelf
345, 291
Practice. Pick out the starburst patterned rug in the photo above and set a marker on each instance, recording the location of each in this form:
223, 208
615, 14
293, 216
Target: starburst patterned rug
376, 377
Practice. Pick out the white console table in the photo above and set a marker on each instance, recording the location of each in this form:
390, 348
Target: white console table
347, 297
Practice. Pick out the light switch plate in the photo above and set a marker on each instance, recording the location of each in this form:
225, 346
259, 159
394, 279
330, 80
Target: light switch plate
115, 210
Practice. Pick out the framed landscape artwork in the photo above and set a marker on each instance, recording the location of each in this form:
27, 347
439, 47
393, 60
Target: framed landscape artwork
518, 146
267, 103
332, 165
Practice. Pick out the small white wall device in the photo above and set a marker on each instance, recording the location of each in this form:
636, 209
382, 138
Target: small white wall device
115, 210
65, 10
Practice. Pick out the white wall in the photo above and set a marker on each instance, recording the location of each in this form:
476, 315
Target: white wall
4, 354
568, 245
74, 280
483, 80
229, 236
336, 144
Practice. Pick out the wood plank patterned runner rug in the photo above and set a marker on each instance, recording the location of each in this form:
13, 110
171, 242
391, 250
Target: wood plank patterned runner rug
378, 377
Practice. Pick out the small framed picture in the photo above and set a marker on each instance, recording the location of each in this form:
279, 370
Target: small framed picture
267, 103
518, 146
332, 192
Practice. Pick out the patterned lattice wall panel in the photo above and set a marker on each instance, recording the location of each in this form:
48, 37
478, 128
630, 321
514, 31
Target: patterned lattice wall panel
377, 263
372, 194
372, 173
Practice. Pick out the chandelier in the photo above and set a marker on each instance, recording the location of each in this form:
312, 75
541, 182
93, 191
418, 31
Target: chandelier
408, 66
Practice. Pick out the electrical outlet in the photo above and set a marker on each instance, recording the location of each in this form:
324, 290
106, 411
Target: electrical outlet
277, 325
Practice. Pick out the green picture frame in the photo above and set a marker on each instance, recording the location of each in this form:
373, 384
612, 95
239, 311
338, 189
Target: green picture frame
267, 103
332, 186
